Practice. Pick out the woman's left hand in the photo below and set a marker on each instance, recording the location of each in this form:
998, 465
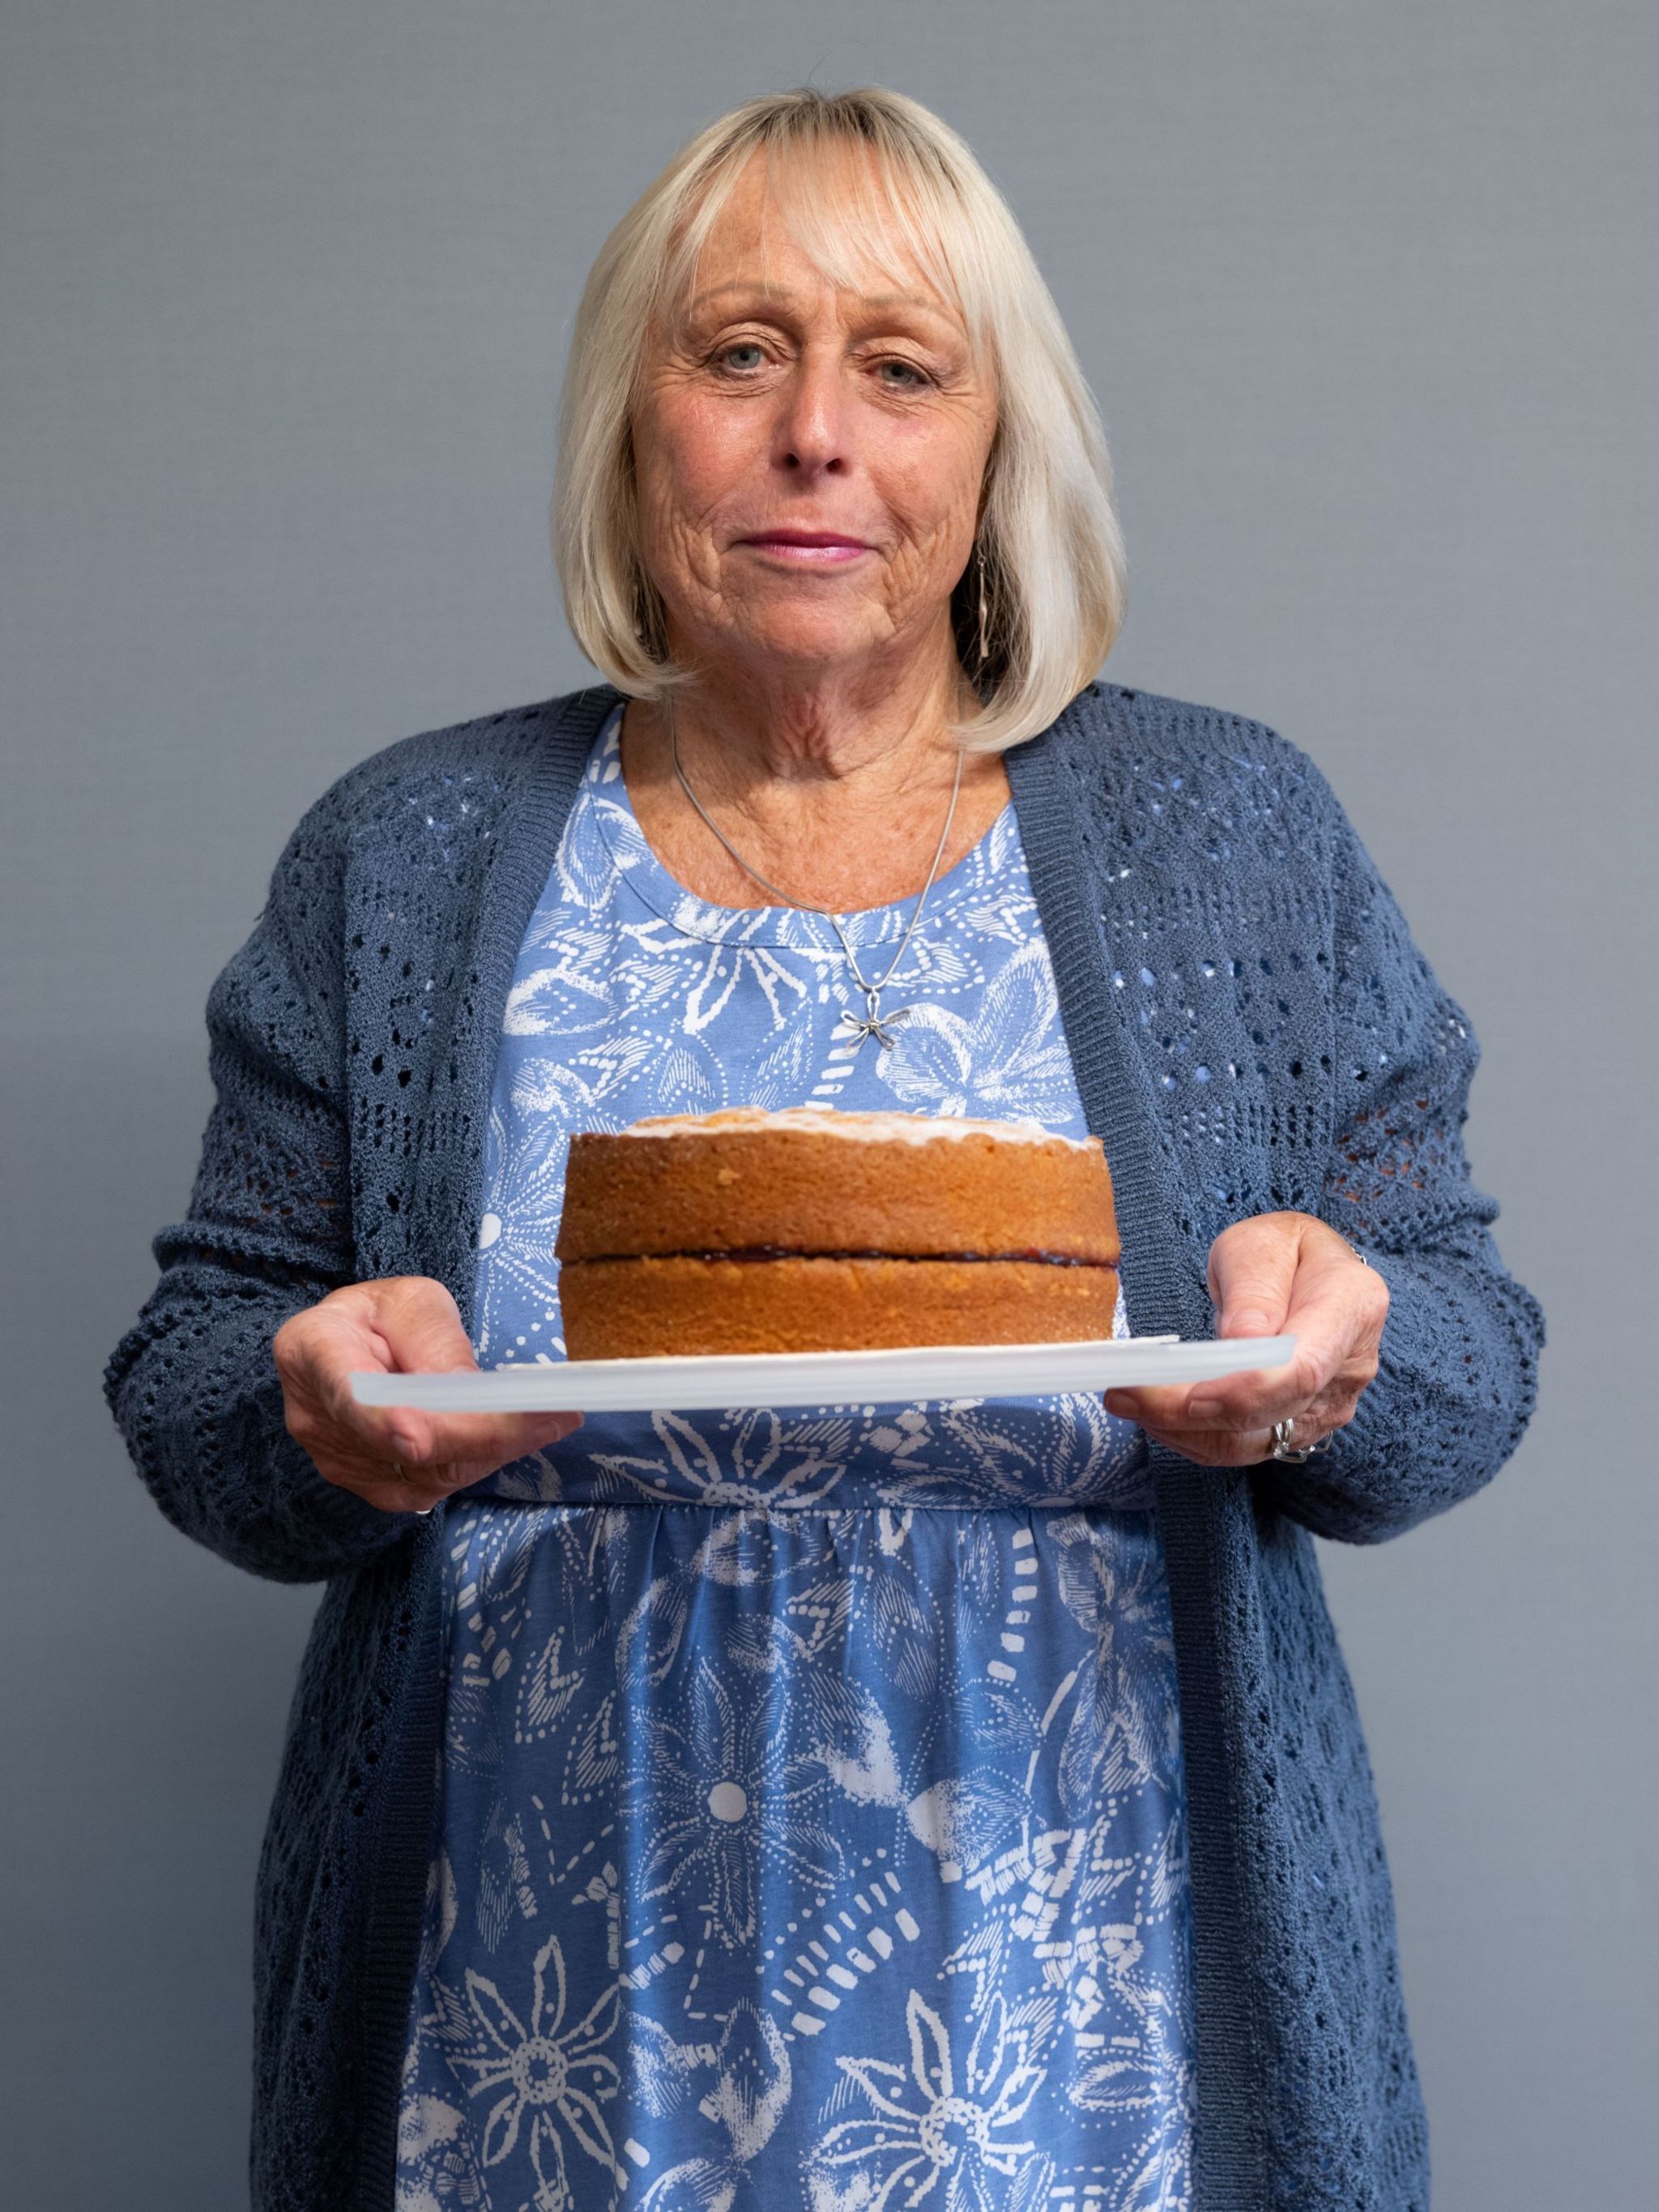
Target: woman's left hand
1274, 1274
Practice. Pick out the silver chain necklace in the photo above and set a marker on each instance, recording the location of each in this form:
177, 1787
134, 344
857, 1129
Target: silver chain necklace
872, 1022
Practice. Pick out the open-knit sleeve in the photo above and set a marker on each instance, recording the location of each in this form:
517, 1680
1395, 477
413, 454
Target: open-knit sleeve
1458, 1361
193, 1384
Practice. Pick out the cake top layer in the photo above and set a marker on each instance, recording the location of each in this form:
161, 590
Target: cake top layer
868, 1128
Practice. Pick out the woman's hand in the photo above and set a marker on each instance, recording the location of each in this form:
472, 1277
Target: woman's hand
393, 1457
1276, 1273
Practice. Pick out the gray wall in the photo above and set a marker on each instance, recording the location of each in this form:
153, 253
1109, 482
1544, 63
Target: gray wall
1366, 292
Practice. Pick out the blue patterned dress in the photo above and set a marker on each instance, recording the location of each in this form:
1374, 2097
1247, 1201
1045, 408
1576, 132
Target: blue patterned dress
811, 1824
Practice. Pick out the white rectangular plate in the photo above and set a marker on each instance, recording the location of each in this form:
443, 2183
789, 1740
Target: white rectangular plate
918, 1374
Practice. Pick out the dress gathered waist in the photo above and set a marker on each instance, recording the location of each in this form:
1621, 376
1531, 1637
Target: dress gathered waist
1050, 1454
959, 1456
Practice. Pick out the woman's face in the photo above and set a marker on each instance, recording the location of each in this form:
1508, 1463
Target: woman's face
808, 460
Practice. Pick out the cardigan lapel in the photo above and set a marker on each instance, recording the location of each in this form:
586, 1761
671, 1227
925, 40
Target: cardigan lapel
1164, 1291
558, 741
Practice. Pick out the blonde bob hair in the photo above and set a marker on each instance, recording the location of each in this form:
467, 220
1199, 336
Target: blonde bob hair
1049, 555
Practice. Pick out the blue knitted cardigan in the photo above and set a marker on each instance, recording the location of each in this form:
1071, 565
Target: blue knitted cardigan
1252, 1029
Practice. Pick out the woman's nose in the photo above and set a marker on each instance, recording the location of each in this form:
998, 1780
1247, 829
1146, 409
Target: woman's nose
814, 429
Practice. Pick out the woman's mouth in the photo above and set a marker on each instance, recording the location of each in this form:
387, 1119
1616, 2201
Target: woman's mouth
808, 549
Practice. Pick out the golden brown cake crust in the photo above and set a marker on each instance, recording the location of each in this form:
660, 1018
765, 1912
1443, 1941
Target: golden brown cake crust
658, 1308
818, 1182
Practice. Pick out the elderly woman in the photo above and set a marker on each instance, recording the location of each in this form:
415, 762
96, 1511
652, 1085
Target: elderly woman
865, 1806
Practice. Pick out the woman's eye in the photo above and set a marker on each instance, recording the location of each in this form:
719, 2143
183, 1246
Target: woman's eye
744, 346
911, 379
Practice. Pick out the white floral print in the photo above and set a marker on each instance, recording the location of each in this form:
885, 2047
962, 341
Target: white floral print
720, 1793
536, 2079
941, 2117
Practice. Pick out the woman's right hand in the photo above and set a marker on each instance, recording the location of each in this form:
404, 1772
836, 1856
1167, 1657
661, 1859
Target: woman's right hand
394, 1457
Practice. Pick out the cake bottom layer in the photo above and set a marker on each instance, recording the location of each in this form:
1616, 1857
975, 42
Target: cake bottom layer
672, 1307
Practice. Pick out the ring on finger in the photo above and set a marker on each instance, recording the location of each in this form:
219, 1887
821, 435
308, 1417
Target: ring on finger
1291, 1454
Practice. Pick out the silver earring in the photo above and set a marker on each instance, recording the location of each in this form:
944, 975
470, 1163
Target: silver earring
984, 641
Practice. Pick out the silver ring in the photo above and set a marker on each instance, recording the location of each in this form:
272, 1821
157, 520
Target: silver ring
1292, 1454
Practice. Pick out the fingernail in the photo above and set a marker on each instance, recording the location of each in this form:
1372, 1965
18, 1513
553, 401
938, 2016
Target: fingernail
1203, 1409
1249, 1324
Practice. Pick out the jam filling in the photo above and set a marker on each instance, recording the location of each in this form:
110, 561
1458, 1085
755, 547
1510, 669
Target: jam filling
754, 1252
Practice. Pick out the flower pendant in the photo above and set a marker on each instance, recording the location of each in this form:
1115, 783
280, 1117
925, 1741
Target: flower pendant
872, 1022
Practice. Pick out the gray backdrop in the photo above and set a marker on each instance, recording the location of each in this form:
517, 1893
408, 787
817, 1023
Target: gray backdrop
1366, 294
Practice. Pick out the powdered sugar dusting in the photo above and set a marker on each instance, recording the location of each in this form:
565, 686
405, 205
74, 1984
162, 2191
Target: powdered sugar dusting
868, 1128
